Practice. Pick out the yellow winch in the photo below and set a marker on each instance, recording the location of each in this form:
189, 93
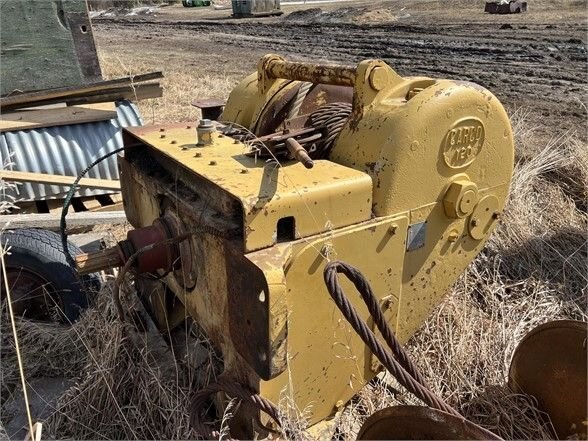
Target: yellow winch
402, 177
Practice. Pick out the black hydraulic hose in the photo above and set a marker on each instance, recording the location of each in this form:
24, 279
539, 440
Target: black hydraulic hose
67, 202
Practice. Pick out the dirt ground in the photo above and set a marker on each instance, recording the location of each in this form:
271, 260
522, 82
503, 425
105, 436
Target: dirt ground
535, 60
532, 270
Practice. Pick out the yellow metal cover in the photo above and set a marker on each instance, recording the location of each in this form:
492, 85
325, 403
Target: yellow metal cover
327, 197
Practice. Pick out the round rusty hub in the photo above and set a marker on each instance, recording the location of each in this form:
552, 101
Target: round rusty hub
32, 295
417, 422
550, 364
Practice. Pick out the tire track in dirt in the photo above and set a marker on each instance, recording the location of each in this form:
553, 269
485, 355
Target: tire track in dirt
537, 65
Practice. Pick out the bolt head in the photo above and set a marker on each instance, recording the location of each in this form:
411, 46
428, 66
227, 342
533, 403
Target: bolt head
378, 78
460, 199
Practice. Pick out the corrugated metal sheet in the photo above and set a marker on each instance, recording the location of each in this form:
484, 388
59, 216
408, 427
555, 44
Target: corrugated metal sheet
67, 150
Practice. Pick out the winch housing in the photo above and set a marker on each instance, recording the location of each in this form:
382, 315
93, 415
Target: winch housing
408, 191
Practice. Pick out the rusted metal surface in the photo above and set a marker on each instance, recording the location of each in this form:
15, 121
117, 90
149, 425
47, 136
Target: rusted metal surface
211, 108
323, 94
183, 268
299, 153
417, 422
160, 257
337, 75
550, 364
248, 316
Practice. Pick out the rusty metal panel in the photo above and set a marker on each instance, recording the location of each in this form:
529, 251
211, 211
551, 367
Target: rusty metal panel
66, 150
46, 44
550, 364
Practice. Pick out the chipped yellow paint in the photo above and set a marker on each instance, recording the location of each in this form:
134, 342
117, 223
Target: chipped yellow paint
326, 197
417, 154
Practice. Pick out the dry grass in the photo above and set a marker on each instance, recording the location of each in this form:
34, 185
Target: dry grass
182, 84
532, 271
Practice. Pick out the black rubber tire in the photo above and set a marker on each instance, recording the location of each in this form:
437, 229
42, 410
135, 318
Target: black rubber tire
40, 251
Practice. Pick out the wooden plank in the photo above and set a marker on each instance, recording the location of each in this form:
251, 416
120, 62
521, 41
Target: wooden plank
54, 205
43, 178
114, 207
50, 221
65, 92
30, 119
135, 92
108, 106
91, 203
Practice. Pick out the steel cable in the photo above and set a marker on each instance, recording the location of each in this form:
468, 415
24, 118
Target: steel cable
67, 202
369, 338
233, 390
375, 311
300, 97
395, 367
332, 118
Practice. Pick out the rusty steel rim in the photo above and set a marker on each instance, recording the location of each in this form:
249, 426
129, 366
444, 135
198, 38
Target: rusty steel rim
32, 295
417, 422
550, 364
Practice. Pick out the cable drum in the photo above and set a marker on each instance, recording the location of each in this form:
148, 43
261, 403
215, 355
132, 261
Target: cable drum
331, 118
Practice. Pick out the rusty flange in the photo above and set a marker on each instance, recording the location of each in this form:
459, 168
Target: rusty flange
417, 422
550, 364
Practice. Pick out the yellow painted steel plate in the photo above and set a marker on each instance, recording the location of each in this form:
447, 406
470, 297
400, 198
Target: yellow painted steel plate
326, 197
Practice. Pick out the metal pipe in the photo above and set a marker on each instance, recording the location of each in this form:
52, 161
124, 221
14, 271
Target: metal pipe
336, 75
299, 153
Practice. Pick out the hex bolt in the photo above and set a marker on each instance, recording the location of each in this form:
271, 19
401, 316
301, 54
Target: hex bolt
453, 236
392, 229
